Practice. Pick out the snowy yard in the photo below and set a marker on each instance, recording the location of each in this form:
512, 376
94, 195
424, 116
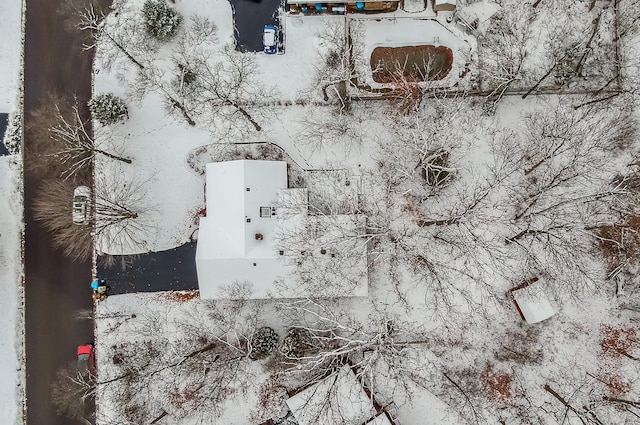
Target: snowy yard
12, 373
462, 203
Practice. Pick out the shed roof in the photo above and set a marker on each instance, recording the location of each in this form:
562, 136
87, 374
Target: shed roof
533, 302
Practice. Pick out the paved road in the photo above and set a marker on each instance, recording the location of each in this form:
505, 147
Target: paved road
56, 288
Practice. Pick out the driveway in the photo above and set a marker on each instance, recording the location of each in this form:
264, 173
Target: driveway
250, 18
171, 270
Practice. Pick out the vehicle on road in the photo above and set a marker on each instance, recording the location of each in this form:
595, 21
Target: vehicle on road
86, 360
81, 199
270, 39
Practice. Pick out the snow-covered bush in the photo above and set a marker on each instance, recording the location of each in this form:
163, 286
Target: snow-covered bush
296, 343
162, 21
263, 342
108, 108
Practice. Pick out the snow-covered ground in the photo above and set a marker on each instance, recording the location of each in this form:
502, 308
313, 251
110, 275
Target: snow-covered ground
10, 53
12, 373
467, 345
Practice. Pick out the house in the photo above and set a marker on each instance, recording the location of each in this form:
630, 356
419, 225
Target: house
444, 5
235, 239
258, 240
532, 301
337, 399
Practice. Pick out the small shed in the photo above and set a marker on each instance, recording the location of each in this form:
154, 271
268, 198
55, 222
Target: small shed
444, 5
532, 301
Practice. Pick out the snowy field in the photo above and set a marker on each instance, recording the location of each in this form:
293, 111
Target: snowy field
501, 208
11, 227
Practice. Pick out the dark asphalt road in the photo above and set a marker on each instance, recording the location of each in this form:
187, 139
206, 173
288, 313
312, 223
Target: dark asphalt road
171, 270
56, 287
250, 18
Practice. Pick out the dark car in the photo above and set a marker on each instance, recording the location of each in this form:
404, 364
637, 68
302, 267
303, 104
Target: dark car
86, 360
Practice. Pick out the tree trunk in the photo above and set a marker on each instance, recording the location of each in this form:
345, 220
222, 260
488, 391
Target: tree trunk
245, 113
182, 109
123, 50
112, 156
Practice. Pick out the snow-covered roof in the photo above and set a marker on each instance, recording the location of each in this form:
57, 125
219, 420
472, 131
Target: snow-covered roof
241, 244
381, 419
482, 11
337, 399
240, 197
533, 302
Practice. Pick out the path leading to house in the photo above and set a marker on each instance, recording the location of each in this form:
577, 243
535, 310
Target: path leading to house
171, 270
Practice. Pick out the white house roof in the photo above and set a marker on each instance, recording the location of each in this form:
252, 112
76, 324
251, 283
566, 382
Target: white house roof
533, 302
246, 199
337, 399
227, 250
451, 2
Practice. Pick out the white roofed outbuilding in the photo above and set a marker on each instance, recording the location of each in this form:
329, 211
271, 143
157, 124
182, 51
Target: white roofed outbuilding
532, 301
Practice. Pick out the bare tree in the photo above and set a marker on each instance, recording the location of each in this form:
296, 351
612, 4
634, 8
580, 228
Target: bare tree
64, 139
504, 50
204, 364
224, 87
53, 207
73, 392
118, 216
124, 216
566, 186
128, 38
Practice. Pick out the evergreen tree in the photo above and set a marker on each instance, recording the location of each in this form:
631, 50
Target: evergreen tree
108, 108
263, 342
161, 20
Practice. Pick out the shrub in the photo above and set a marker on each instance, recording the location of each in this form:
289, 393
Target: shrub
296, 343
263, 342
162, 22
108, 108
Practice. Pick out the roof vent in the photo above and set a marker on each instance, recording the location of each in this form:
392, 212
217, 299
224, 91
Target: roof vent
248, 189
259, 236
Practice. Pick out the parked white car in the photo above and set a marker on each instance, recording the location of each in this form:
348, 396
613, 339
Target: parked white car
81, 205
